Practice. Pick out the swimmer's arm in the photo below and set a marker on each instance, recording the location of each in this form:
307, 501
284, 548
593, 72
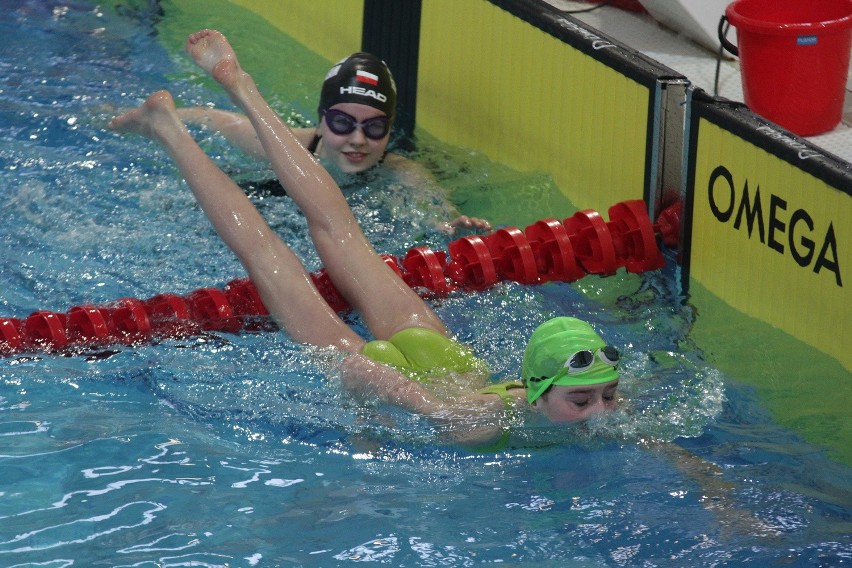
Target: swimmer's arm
472, 420
236, 128
364, 377
413, 174
717, 494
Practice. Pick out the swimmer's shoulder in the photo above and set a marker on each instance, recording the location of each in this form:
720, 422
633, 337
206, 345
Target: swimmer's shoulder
509, 395
305, 136
408, 171
501, 408
394, 160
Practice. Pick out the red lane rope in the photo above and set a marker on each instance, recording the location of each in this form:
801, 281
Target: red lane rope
546, 251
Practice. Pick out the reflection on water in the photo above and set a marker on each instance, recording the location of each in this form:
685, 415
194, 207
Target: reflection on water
240, 450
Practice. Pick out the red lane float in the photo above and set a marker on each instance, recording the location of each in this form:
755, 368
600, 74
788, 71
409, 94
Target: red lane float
546, 251
553, 252
668, 224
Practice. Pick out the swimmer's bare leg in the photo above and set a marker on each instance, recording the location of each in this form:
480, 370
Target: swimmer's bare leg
387, 304
284, 285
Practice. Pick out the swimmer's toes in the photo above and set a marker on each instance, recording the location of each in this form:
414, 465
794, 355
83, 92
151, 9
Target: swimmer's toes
209, 49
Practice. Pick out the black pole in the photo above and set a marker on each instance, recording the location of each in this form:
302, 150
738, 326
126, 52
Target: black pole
392, 32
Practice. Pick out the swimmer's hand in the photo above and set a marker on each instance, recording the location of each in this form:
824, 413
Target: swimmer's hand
465, 222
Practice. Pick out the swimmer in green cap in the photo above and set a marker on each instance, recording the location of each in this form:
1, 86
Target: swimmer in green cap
356, 112
568, 374
571, 367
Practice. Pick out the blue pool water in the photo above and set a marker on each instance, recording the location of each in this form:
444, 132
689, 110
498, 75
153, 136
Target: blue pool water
240, 450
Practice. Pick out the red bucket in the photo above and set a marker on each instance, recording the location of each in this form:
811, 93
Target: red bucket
794, 59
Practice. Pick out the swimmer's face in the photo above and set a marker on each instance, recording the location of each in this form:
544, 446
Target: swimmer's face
570, 404
353, 152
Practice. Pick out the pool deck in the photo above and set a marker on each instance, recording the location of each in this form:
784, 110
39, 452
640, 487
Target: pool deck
643, 33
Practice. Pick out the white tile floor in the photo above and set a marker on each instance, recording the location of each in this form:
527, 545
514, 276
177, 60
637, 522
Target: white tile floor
698, 64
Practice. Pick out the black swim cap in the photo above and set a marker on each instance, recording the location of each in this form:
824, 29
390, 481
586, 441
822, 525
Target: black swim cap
360, 78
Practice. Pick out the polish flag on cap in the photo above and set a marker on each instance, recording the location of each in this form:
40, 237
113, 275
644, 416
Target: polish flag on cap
366, 77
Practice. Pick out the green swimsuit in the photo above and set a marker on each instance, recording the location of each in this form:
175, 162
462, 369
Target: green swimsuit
422, 354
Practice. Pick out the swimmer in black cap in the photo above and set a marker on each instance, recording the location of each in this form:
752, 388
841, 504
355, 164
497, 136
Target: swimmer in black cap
356, 111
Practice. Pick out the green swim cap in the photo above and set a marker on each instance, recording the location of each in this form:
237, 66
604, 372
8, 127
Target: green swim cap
566, 351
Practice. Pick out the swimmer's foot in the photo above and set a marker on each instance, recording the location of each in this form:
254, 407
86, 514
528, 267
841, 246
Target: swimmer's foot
152, 120
211, 51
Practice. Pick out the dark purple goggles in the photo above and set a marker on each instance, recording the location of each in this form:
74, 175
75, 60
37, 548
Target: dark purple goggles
342, 123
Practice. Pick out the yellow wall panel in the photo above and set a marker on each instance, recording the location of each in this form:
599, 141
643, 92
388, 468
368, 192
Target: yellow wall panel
531, 101
791, 267
331, 28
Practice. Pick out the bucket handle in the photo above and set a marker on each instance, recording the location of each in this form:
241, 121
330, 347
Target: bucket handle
733, 49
